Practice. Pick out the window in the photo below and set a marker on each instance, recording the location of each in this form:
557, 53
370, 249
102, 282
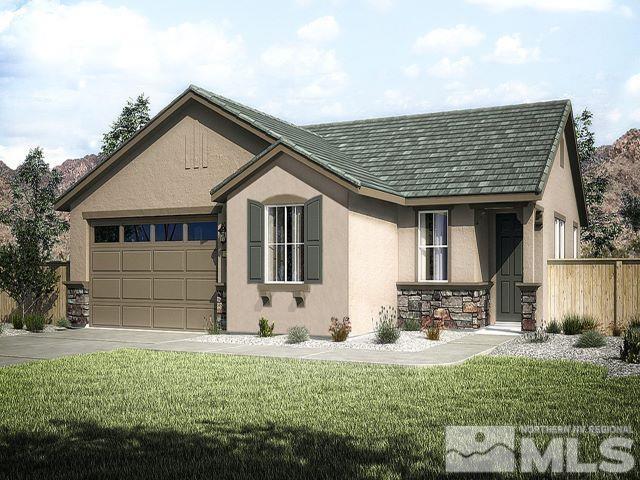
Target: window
433, 246
106, 234
559, 238
576, 241
202, 231
285, 243
169, 232
137, 233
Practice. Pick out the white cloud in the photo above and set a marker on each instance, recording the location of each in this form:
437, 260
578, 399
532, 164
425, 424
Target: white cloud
509, 49
504, 93
322, 29
449, 39
633, 84
625, 11
548, 5
412, 71
380, 5
446, 68
81, 62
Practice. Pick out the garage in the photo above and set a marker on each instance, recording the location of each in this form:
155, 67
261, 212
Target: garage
153, 272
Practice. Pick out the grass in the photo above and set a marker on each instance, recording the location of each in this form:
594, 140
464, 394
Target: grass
140, 414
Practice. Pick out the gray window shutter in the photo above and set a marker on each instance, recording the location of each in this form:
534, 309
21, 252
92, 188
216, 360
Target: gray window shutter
255, 242
313, 240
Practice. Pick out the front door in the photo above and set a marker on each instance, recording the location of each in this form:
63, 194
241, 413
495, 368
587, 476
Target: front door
508, 267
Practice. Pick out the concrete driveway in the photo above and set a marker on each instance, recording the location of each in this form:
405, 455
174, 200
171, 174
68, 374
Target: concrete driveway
41, 346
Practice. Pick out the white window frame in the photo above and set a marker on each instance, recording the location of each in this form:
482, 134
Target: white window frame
576, 241
267, 244
422, 270
559, 226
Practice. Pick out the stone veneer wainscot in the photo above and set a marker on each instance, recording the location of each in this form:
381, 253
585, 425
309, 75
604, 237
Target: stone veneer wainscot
456, 305
77, 304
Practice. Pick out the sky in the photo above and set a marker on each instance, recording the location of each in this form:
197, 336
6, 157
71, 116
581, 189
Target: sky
67, 68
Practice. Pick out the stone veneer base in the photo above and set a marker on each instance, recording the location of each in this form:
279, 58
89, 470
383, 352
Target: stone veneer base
77, 305
456, 307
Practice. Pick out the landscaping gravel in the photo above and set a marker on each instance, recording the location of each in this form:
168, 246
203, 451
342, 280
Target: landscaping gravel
9, 331
408, 341
560, 347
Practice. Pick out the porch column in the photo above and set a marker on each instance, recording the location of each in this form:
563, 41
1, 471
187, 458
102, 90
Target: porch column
528, 289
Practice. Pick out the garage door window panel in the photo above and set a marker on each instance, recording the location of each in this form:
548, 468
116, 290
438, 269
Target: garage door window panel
106, 233
137, 233
202, 231
169, 232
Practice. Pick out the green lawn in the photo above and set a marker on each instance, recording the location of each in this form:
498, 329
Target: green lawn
140, 414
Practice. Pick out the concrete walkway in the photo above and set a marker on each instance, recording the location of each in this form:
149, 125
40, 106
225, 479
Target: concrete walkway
30, 347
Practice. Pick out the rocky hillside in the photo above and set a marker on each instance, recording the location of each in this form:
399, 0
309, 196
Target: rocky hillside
71, 170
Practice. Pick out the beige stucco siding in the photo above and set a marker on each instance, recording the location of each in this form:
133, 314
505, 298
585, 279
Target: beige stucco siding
467, 244
155, 175
558, 198
286, 176
373, 260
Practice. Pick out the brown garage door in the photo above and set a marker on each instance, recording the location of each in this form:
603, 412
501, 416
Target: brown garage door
152, 274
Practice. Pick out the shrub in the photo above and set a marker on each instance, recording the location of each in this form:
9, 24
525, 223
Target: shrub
63, 322
264, 329
387, 330
34, 323
554, 327
2, 327
630, 350
17, 322
634, 321
298, 334
573, 324
212, 326
411, 324
432, 327
590, 339
539, 336
617, 331
339, 330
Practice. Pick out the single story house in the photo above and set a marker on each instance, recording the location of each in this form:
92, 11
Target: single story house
217, 209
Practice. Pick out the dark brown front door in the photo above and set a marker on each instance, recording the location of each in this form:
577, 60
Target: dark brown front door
508, 267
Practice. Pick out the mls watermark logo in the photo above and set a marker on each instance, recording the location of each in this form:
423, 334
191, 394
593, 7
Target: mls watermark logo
507, 449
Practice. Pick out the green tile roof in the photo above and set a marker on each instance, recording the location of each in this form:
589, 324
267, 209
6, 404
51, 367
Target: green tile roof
465, 152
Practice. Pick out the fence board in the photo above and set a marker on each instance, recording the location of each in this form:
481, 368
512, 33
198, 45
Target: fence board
606, 289
59, 307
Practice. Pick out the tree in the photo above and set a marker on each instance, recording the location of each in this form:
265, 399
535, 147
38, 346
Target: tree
599, 236
35, 227
133, 117
630, 210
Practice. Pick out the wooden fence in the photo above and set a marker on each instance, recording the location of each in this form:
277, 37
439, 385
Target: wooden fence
59, 307
607, 289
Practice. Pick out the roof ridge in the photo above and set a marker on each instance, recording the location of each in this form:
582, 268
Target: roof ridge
440, 112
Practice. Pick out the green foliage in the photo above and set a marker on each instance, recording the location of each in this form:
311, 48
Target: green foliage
63, 322
539, 336
17, 321
630, 350
599, 236
212, 326
133, 117
590, 339
264, 329
298, 334
554, 327
573, 324
339, 329
34, 322
411, 324
386, 328
35, 229
630, 210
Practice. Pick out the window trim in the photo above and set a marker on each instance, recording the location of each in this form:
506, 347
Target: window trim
559, 250
576, 240
267, 244
446, 212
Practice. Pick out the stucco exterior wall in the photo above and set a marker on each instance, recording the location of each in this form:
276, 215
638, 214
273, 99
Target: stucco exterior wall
286, 176
373, 260
467, 244
558, 198
154, 174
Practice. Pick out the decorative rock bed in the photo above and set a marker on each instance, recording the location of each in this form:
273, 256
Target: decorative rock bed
9, 331
560, 347
408, 341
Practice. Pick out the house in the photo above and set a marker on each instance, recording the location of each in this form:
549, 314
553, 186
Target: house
215, 208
